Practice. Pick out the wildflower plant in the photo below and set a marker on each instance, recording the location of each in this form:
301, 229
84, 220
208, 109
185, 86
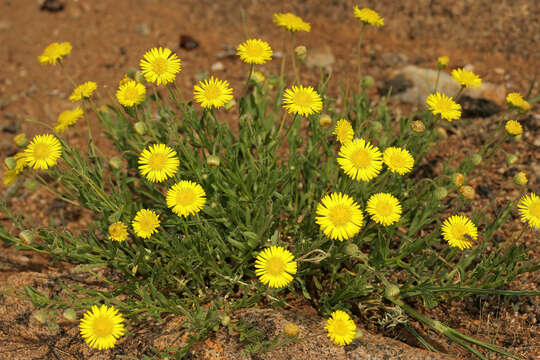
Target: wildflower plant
193, 216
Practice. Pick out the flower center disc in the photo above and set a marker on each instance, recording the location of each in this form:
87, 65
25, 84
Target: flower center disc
534, 209
361, 159
275, 266
157, 161
185, 197
41, 151
303, 99
103, 326
160, 66
384, 208
131, 93
340, 215
254, 51
459, 231
340, 327
397, 160
212, 92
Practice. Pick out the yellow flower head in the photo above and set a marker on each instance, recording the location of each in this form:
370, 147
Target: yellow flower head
158, 162
54, 52
529, 210
398, 160
515, 99
466, 78
212, 93
83, 91
360, 160
291, 22
160, 65
274, 266
186, 198
444, 105
118, 231
101, 327
368, 16
131, 93
459, 231
68, 118
254, 51
443, 61
341, 329
384, 209
343, 131
145, 223
301, 100
43, 151
339, 216
513, 127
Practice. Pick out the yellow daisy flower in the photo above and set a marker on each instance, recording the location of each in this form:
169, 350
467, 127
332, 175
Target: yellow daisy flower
301, 100
68, 118
131, 93
466, 78
459, 231
83, 91
513, 127
398, 160
445, 106
145, 223
529, 209
343, 131
384, 209
254, 51
339, 216
341, 329
54, 52
118, 231
368, 16
101, 327
158, 162
515, 99
160, 66
443, 61
186, 198
212, 93
274, 266
360, 160
291, 22
43, 151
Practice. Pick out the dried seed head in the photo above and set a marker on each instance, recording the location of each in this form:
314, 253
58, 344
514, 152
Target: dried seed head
418, 126
325, 121
291, 329
300, 52
467, 192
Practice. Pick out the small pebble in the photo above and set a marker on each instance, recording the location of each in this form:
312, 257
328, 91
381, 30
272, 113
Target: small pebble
217, 66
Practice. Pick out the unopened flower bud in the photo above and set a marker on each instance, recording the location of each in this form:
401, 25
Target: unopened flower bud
467, 192
41, 317
418, 126
443, 61
230, 105
225, 320
26, 236
351, 249
376, 126
139, 77
521, 179
476, 159
441, 133
511, 159
358, 334
20, 140
258, 77
391, 291
140, 128
440, 193
130, 73
291, 329
459, 179
115, 162
70, 315
367, 82
10, 162
325, 120
300, 52
213, 160
30, 184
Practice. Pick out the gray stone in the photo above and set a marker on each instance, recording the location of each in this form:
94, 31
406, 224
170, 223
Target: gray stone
218, 66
